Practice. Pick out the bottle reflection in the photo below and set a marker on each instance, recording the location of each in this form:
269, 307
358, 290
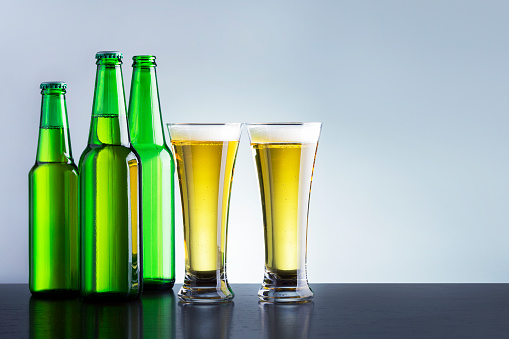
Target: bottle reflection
54, 318
206, 320
286, 320
111, 319
151, 317
158, 315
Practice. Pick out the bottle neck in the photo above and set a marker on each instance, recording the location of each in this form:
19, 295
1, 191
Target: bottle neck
54, 143
145, 121
109, 121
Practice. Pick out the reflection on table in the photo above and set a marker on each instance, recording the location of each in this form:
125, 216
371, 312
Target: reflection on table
153, 316
206, 320
159, 315
286, 320
108, 320
58, 318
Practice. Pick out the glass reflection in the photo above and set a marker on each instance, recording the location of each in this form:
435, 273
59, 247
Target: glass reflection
158, 315
54, 318
111, 319
286, 320
206, 320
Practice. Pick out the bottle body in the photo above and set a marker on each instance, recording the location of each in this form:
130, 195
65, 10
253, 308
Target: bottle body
158, 217
110, 205
53, 233
53, 202
110, 228
147, 137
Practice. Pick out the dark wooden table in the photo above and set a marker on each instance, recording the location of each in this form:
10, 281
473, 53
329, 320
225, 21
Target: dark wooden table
338, 311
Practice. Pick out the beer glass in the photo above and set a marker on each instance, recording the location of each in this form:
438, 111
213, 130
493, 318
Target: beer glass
205, 155
284, 155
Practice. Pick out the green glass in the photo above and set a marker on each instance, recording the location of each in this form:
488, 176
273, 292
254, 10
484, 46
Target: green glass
147, 137
53, 202
111, 266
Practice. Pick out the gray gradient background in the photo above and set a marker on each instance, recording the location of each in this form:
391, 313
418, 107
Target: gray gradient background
411, 178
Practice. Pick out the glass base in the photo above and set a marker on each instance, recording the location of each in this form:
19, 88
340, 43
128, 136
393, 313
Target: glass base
150, 285
277, 290
205, 291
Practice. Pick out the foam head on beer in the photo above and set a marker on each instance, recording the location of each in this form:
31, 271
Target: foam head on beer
285, 132
205, 132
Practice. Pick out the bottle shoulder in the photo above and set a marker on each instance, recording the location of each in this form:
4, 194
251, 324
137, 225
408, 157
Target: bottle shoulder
53, 166
109, 153
148, 151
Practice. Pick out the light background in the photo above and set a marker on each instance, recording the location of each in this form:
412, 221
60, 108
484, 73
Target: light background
411, 178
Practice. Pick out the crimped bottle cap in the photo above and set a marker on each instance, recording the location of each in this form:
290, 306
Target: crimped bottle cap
53, 84
108, 54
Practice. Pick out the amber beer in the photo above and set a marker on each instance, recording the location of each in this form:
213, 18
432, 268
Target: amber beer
284, 182
205, 156
284, 155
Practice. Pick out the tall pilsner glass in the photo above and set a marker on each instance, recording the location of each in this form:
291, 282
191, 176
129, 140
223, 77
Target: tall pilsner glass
284, 154
205, 155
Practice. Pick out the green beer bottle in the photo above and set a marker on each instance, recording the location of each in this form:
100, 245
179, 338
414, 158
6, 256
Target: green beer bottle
147, 137
111, 266
53, 202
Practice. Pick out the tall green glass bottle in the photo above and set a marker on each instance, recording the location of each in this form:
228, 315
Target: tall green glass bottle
53, 202
111, 266
147, 137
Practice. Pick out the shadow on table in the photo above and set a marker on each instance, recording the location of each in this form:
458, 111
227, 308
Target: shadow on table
152, 316
206, 320
286, 320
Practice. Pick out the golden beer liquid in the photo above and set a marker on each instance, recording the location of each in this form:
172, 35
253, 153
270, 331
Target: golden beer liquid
285, 172
205, 172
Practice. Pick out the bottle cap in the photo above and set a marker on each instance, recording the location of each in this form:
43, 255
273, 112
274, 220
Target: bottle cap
108, 54
53, 84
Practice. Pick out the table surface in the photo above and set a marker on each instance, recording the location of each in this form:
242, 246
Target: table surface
338, 310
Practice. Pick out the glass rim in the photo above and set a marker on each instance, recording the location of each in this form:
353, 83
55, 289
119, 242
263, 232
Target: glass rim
284, 132
205, 131
204, 124
282, 123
